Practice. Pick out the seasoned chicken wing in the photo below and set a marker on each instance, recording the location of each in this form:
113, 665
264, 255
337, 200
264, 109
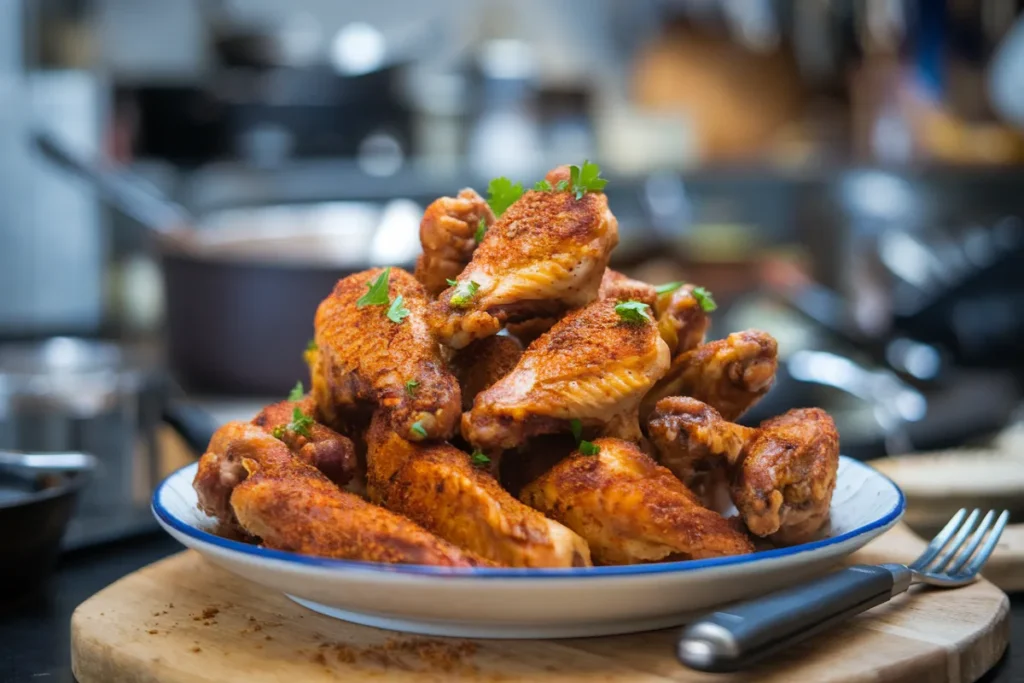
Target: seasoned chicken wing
618, 287
630, 509
730, 374
682, 320
544, 255
593, 366
365, 360
448, 235
781, 474
440, 487
483, 363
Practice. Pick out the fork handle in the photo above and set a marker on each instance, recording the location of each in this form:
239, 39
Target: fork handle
742, 634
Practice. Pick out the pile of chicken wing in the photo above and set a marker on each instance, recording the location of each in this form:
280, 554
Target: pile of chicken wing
516, 403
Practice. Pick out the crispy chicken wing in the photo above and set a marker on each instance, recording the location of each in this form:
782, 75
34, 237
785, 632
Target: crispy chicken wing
730, 374
630, 509
592, 366
437, 485
365, 360
546, 254
682, 320
483, 363
781, 474
618, 287
447, 233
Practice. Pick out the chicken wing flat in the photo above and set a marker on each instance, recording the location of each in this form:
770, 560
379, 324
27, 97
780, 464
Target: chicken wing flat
483, 363
365, 360
593, 366
730, 374
438, 486
544, 255
448, 235
682, 320
630, 509
781, 474
618, 287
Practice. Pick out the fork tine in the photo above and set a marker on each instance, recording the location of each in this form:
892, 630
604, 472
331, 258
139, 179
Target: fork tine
940, 540
976, 538
961, 535
975, 565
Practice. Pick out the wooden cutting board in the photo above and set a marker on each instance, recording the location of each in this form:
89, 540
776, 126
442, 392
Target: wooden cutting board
184, 620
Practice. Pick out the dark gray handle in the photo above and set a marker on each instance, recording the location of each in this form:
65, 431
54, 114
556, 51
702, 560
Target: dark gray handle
740, 635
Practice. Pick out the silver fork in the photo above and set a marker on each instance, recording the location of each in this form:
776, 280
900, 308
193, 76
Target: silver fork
744, 633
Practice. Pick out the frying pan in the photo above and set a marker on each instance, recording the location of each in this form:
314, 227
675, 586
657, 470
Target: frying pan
239, 302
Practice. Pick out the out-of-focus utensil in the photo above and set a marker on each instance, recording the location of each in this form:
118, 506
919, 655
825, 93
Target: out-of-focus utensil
47, 462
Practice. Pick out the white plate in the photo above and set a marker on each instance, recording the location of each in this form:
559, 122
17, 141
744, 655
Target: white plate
535, 603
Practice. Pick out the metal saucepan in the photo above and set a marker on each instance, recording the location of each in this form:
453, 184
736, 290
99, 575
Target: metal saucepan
241, 292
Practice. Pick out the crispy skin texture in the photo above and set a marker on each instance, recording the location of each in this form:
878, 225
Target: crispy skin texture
591, 366
618, 287
291, 506
447, 233
483, 363
364, 360
681, 320
436, 485
730, 374
630, 509
219, 472
545, 255
781, 474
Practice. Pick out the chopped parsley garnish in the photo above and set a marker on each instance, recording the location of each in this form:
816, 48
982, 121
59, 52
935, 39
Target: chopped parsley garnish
668, 287
411, 386
397, 312
418, 430
632, 311
589, 448
464, 293
300, 424
481, 230
704, 298
542, 186
311, 345
278, 432
479, 459
562, 185
586, 178
378, 294
501, 194
297, 392
577, 429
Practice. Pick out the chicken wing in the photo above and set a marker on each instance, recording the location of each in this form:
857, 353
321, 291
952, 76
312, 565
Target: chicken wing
483, 363
439, 487
365, 360
448, 235
544, 255
730, 374
781, 474
618, 287
593, 366
630, 509
682, 320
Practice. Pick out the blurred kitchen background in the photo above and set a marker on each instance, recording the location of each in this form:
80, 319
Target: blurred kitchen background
181, 183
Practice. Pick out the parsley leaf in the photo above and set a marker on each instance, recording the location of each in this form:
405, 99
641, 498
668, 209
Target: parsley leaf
632, 311
311, 345
397, 312
296, 393
586, 179
479, 459
501, 194
418, 430
577, 429
481, 230
463, 294
589, 448
542, 186
451, 283
562, 185
668, 287
300, 423
704, 298
378, 294
278, 432
411, 386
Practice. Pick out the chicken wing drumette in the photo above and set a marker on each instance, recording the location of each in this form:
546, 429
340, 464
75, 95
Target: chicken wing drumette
781, 474
593, 366
630, 509
448, 235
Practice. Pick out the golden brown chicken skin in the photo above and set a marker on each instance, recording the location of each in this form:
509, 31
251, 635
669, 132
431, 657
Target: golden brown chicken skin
483, 363
619, 287
730, 374
219, 472
781, 474
364, 360
630, 509
437, 486
292, 506
546, 254
682, 320
592, 366
448, 235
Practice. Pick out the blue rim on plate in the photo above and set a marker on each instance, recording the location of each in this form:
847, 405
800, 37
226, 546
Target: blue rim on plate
165, 516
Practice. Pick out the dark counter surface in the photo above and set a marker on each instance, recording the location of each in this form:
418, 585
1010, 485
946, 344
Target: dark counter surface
34, 636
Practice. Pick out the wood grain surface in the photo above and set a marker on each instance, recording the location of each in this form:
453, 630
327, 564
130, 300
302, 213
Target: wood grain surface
184, 620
